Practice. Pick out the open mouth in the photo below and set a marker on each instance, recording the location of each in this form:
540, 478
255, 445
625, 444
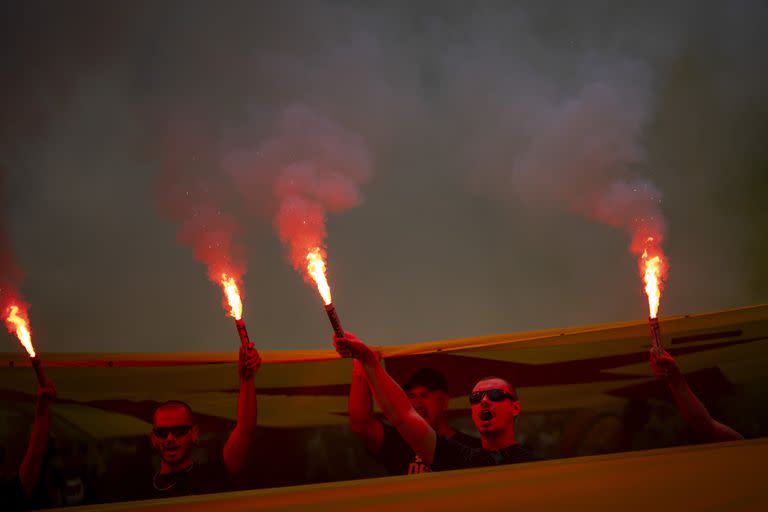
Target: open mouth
486, 415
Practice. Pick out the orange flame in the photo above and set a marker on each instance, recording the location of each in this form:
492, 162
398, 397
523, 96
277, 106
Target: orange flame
20, 326
232, 294
652, 268
316, 269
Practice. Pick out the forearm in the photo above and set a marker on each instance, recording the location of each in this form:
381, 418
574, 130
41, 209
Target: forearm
29, 472
246, 406
396, 406
238, 444
389, 395
691, 409
360, 399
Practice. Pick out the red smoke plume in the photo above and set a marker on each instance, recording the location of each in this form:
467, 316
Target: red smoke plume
312, 166
189, 193
11, 274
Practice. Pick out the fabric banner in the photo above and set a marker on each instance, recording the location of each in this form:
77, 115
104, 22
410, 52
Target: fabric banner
638, 481
585, 390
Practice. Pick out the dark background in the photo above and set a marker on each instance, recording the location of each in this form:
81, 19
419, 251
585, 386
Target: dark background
472, 220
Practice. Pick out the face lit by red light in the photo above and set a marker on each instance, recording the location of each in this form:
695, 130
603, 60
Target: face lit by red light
494, 418
431, 405
174, 450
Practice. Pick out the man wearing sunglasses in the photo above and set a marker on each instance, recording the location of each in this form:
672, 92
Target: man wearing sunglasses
494, 409
175, 434
427, 391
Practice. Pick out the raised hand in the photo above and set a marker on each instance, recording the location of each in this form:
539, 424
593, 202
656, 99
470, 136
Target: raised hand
663, 365
249, 361
351, 346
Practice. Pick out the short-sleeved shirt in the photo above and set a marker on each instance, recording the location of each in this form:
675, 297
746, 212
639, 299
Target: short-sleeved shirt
452, 455
13, 496
201, 478
399, 459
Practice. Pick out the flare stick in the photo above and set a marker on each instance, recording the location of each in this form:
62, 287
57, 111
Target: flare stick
42, 378
242, 332
653, 324
334, 318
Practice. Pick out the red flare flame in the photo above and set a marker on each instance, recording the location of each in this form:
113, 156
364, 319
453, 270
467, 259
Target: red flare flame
653, 268
316, 270
232, 296
17, 322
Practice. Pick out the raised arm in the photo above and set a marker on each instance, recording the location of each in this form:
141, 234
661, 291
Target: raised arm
361, 418
391, 398
239, 442
692, 410
29, 472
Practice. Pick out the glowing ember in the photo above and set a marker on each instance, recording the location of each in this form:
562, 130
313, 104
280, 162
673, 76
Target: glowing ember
19, 325
232, 294
652, 268
316, 269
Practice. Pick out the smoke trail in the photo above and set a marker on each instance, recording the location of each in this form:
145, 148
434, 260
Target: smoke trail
582, 154
191, 193
556, 125
312, 166
11, 274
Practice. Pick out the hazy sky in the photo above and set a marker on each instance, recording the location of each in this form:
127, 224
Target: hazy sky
479, 164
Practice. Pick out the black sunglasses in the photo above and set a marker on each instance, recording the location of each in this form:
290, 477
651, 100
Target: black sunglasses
494, 395
177, 431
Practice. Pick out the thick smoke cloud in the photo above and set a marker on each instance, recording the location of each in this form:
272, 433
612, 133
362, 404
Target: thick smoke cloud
571, 140
312, 166
504, 154
189, 193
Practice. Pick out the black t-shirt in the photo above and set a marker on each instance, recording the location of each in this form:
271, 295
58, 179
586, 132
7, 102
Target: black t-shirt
398, 458
12, 495
200, 478
452, 455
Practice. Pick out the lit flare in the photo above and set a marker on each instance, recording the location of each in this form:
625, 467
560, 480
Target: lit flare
316, 269
19, 325
232, 293
652, 268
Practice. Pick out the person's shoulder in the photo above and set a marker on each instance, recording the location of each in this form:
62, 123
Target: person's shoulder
214, 465
520, 453
452, 454
392, 440
394, 453
467, 440
211, 475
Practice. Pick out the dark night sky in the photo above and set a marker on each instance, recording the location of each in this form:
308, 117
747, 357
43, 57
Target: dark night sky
489, 128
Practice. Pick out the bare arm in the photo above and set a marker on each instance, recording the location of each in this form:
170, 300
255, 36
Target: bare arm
239, 442
692, 410
361, 418
29, 472
391, 398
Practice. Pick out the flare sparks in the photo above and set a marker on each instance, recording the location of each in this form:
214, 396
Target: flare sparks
17, 321
653, 268
316, 270
235, 303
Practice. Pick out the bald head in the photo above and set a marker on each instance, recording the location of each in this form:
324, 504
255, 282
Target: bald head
176, 409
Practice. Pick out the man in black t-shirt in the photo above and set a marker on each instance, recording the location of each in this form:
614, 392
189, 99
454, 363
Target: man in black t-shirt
427, 391
174, 435
494, 405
